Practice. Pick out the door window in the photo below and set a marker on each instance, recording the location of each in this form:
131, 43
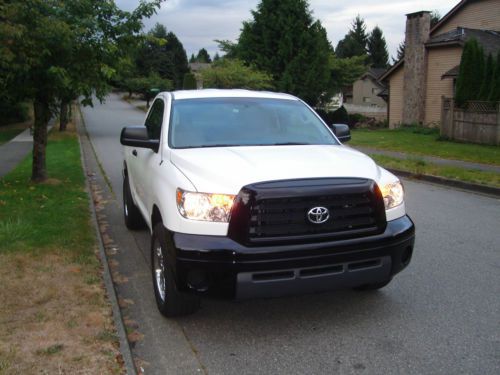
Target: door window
155, 119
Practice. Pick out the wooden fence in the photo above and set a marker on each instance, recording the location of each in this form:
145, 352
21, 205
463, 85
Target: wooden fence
477, 122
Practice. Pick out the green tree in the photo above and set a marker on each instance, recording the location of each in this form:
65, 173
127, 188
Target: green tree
285, 41
192, 59
400, 53
435, 17
344, 71
471, 73
479, 71
354, 43
377, 49
152, 55
203, 56
217, 57
58, 46
189, 82
179, 59
162, 53
232, 74
484, 91
494, 95
229, 48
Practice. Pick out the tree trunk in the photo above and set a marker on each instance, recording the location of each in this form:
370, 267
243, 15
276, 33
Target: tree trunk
63, 116
42, 117
70, 111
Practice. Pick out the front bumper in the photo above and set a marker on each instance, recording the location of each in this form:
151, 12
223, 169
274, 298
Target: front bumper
221, 267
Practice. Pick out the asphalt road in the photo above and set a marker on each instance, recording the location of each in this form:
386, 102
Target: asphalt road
439, 316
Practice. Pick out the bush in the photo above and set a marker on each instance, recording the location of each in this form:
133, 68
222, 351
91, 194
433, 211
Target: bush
144, 86
384, 124
323, 114
234, 74
356, 119
339, 116
189, 82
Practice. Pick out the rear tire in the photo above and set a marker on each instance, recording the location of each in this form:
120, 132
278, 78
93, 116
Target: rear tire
169, 300
132, 216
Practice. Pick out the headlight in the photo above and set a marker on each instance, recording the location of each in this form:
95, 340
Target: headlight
393, 194
204, 207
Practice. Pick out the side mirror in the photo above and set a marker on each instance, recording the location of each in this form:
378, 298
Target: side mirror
342, 132
137, 136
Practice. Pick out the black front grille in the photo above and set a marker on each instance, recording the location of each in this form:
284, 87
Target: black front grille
278, 211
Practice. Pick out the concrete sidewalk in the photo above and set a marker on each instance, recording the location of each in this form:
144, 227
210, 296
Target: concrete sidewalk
432, 159
14, 151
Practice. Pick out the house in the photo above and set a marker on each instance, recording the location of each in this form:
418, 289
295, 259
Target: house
364, 95
418, 82
366, 90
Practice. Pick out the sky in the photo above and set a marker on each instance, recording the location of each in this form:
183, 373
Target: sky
197, 23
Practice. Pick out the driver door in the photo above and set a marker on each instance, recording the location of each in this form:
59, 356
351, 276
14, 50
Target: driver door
147, 159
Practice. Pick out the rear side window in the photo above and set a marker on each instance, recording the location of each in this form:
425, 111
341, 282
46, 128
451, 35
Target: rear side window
155, 119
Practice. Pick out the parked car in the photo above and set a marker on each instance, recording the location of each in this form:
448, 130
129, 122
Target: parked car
250, 194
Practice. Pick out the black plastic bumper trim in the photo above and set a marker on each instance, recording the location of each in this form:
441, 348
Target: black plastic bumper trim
311, 280
223, 259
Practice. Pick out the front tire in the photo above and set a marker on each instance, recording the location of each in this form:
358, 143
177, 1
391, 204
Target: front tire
131, 214
169, 300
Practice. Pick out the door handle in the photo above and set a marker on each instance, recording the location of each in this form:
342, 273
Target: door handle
134, 152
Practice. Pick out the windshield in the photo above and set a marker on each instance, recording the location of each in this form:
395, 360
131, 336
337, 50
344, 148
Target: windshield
224, 122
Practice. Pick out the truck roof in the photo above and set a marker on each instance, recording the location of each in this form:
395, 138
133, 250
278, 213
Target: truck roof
234, 93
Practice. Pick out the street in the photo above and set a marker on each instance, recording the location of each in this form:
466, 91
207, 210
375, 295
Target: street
441, 315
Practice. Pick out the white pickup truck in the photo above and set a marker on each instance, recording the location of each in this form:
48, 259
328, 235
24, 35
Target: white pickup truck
250, 194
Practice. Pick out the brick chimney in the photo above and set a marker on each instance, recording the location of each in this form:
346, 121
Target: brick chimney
417, 34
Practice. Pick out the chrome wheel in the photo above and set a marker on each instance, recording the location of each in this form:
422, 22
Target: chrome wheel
125, 206
159, 270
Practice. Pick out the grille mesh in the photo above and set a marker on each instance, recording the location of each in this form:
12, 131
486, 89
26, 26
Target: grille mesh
275, 212
286, 217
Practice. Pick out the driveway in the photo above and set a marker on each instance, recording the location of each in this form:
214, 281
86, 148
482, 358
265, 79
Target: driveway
441, 315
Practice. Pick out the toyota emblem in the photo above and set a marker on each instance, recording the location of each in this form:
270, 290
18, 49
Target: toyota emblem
318, 215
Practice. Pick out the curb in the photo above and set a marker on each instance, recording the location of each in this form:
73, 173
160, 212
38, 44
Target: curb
128, 362
469, 186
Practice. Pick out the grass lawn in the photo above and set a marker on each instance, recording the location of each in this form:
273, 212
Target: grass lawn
417, 166
424, 142
55, 317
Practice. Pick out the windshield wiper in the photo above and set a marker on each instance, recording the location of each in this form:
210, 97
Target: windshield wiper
216, 145
289, 144
250, 145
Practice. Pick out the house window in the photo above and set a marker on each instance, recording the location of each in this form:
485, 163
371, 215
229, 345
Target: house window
366, 99
375, 90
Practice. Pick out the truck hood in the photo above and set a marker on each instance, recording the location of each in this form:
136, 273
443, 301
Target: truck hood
226, 170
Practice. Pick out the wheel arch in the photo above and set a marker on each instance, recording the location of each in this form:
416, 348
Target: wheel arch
125, 170
156, 216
